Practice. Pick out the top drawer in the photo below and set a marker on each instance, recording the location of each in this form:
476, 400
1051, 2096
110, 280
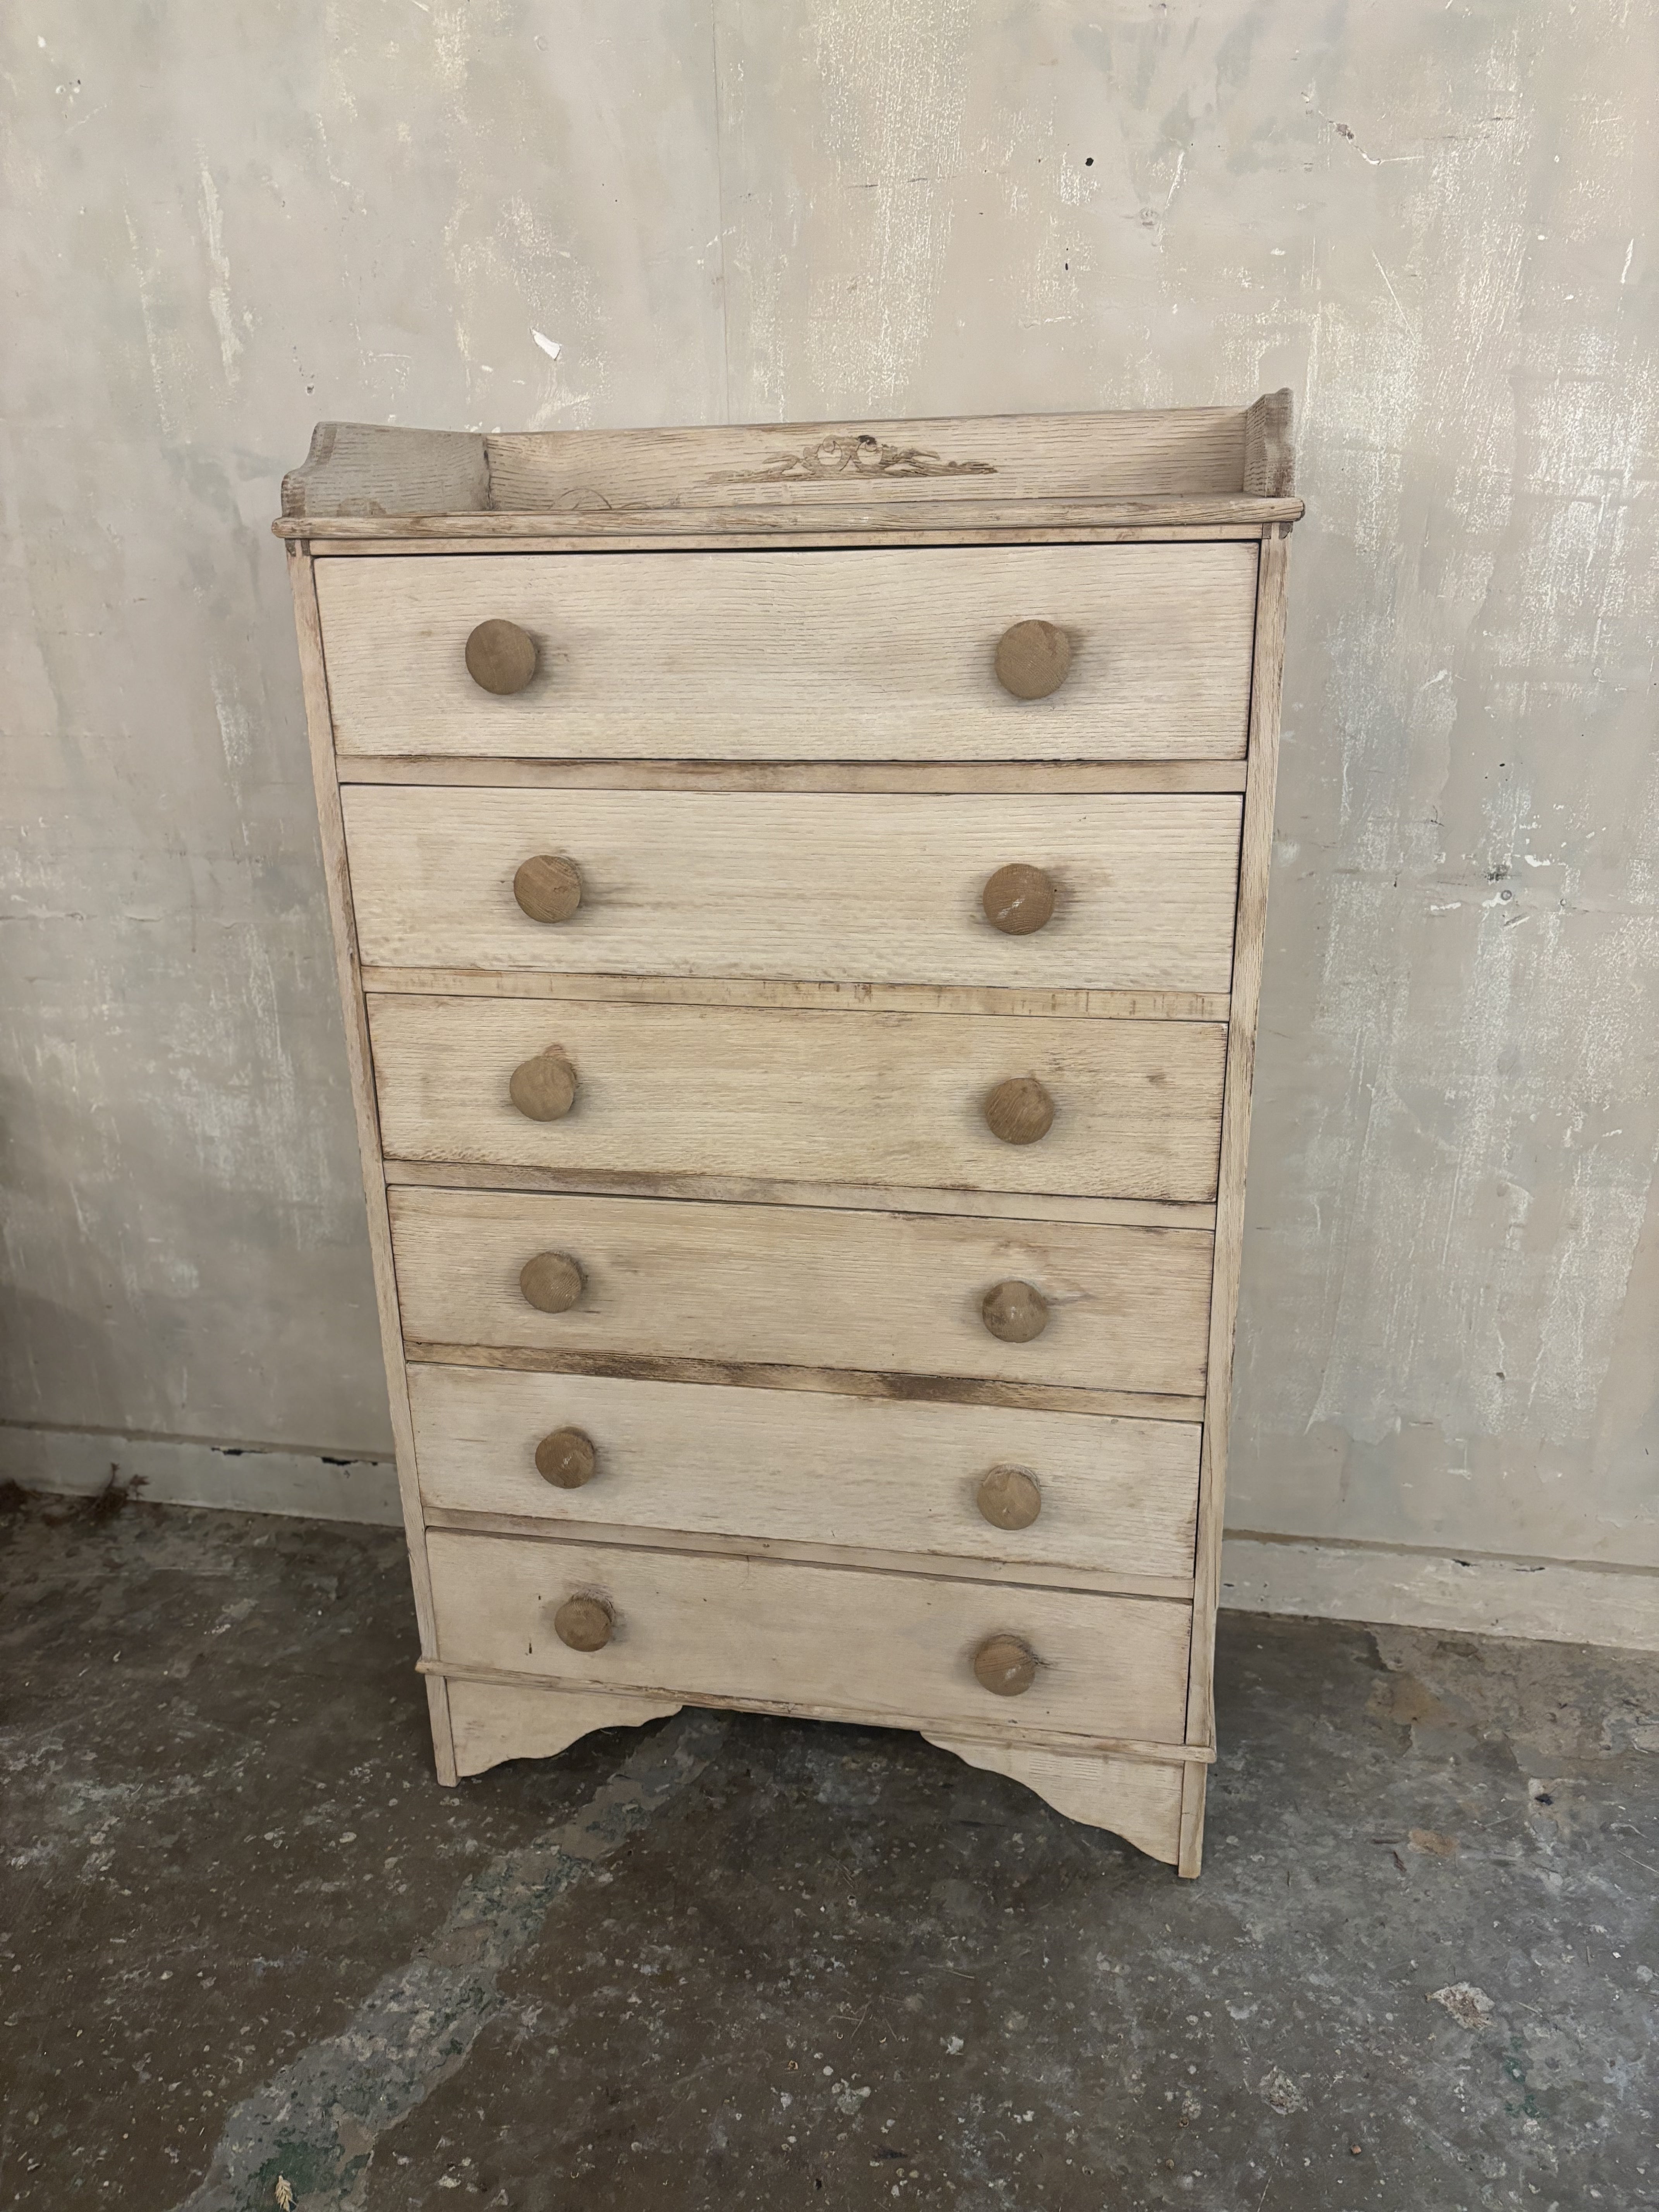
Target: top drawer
851, 655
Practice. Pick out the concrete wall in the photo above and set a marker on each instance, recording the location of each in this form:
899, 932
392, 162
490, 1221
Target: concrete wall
224, 221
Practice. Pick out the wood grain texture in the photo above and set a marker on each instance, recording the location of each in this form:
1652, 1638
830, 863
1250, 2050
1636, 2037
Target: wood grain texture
1194, 1788
999, 1726
337, 884
501, 658
1018, 899
1009, 1497
1006, 1666
1019, 1110
1018, 457
898, 1099
956, 1566
895, 1648
764, 1190
789, 991
838, 655
1032, 659
902, 777
793, 1286
547, 888
565, 1458
1119, 1496
840, 1381
369, 469
541, 1088
815, 1360
1169, 517
1269, 453
1255, 866
849, 888
496, 1720
1136, 1799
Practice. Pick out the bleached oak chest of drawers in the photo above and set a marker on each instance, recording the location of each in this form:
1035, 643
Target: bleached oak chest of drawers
798, 894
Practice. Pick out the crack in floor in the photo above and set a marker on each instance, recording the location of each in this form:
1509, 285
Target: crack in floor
305, 2138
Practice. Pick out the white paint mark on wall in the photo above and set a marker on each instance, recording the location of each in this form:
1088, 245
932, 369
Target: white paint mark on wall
213, 221
550, 346
1393, 295
160, 379
889, 133
236, 725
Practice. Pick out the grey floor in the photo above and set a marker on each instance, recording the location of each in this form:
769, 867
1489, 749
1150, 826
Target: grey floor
252, 1954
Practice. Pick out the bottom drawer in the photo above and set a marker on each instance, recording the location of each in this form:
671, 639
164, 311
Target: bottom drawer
883, 1646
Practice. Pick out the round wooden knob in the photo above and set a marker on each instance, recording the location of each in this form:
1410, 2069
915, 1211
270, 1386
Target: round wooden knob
1033, 659
588, 1624
501, 658
1018, 1111
549, 888
1004, 1666
567, 1459
1018, 899
543, 1089
1014, 1311
552, 1282
1008, 1497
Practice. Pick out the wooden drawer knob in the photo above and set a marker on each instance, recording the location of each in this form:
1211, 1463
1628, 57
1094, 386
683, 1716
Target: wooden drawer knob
567, 1459
586, 1623
1014, 1311
552, 1282
1033, 659
1018, 899
1004, 1666
549, 888
1007, 1497
543, 1089
1019, 1111
501, 658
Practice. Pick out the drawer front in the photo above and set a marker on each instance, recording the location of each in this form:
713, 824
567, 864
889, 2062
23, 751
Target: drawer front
801, 1286
866, 890
801, 1466
850, 655
898, 1099
772, 1633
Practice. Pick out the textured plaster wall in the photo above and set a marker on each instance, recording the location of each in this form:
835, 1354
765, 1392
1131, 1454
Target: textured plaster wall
224, 221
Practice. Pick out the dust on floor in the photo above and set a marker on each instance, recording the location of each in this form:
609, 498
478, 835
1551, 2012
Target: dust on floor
253, 1957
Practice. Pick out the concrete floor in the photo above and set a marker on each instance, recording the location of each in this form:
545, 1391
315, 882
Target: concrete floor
251, 1952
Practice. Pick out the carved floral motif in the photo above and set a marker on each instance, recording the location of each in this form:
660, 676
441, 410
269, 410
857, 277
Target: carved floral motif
853, 458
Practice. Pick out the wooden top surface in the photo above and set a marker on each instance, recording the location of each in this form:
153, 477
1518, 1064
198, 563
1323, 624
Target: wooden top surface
1171, 468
